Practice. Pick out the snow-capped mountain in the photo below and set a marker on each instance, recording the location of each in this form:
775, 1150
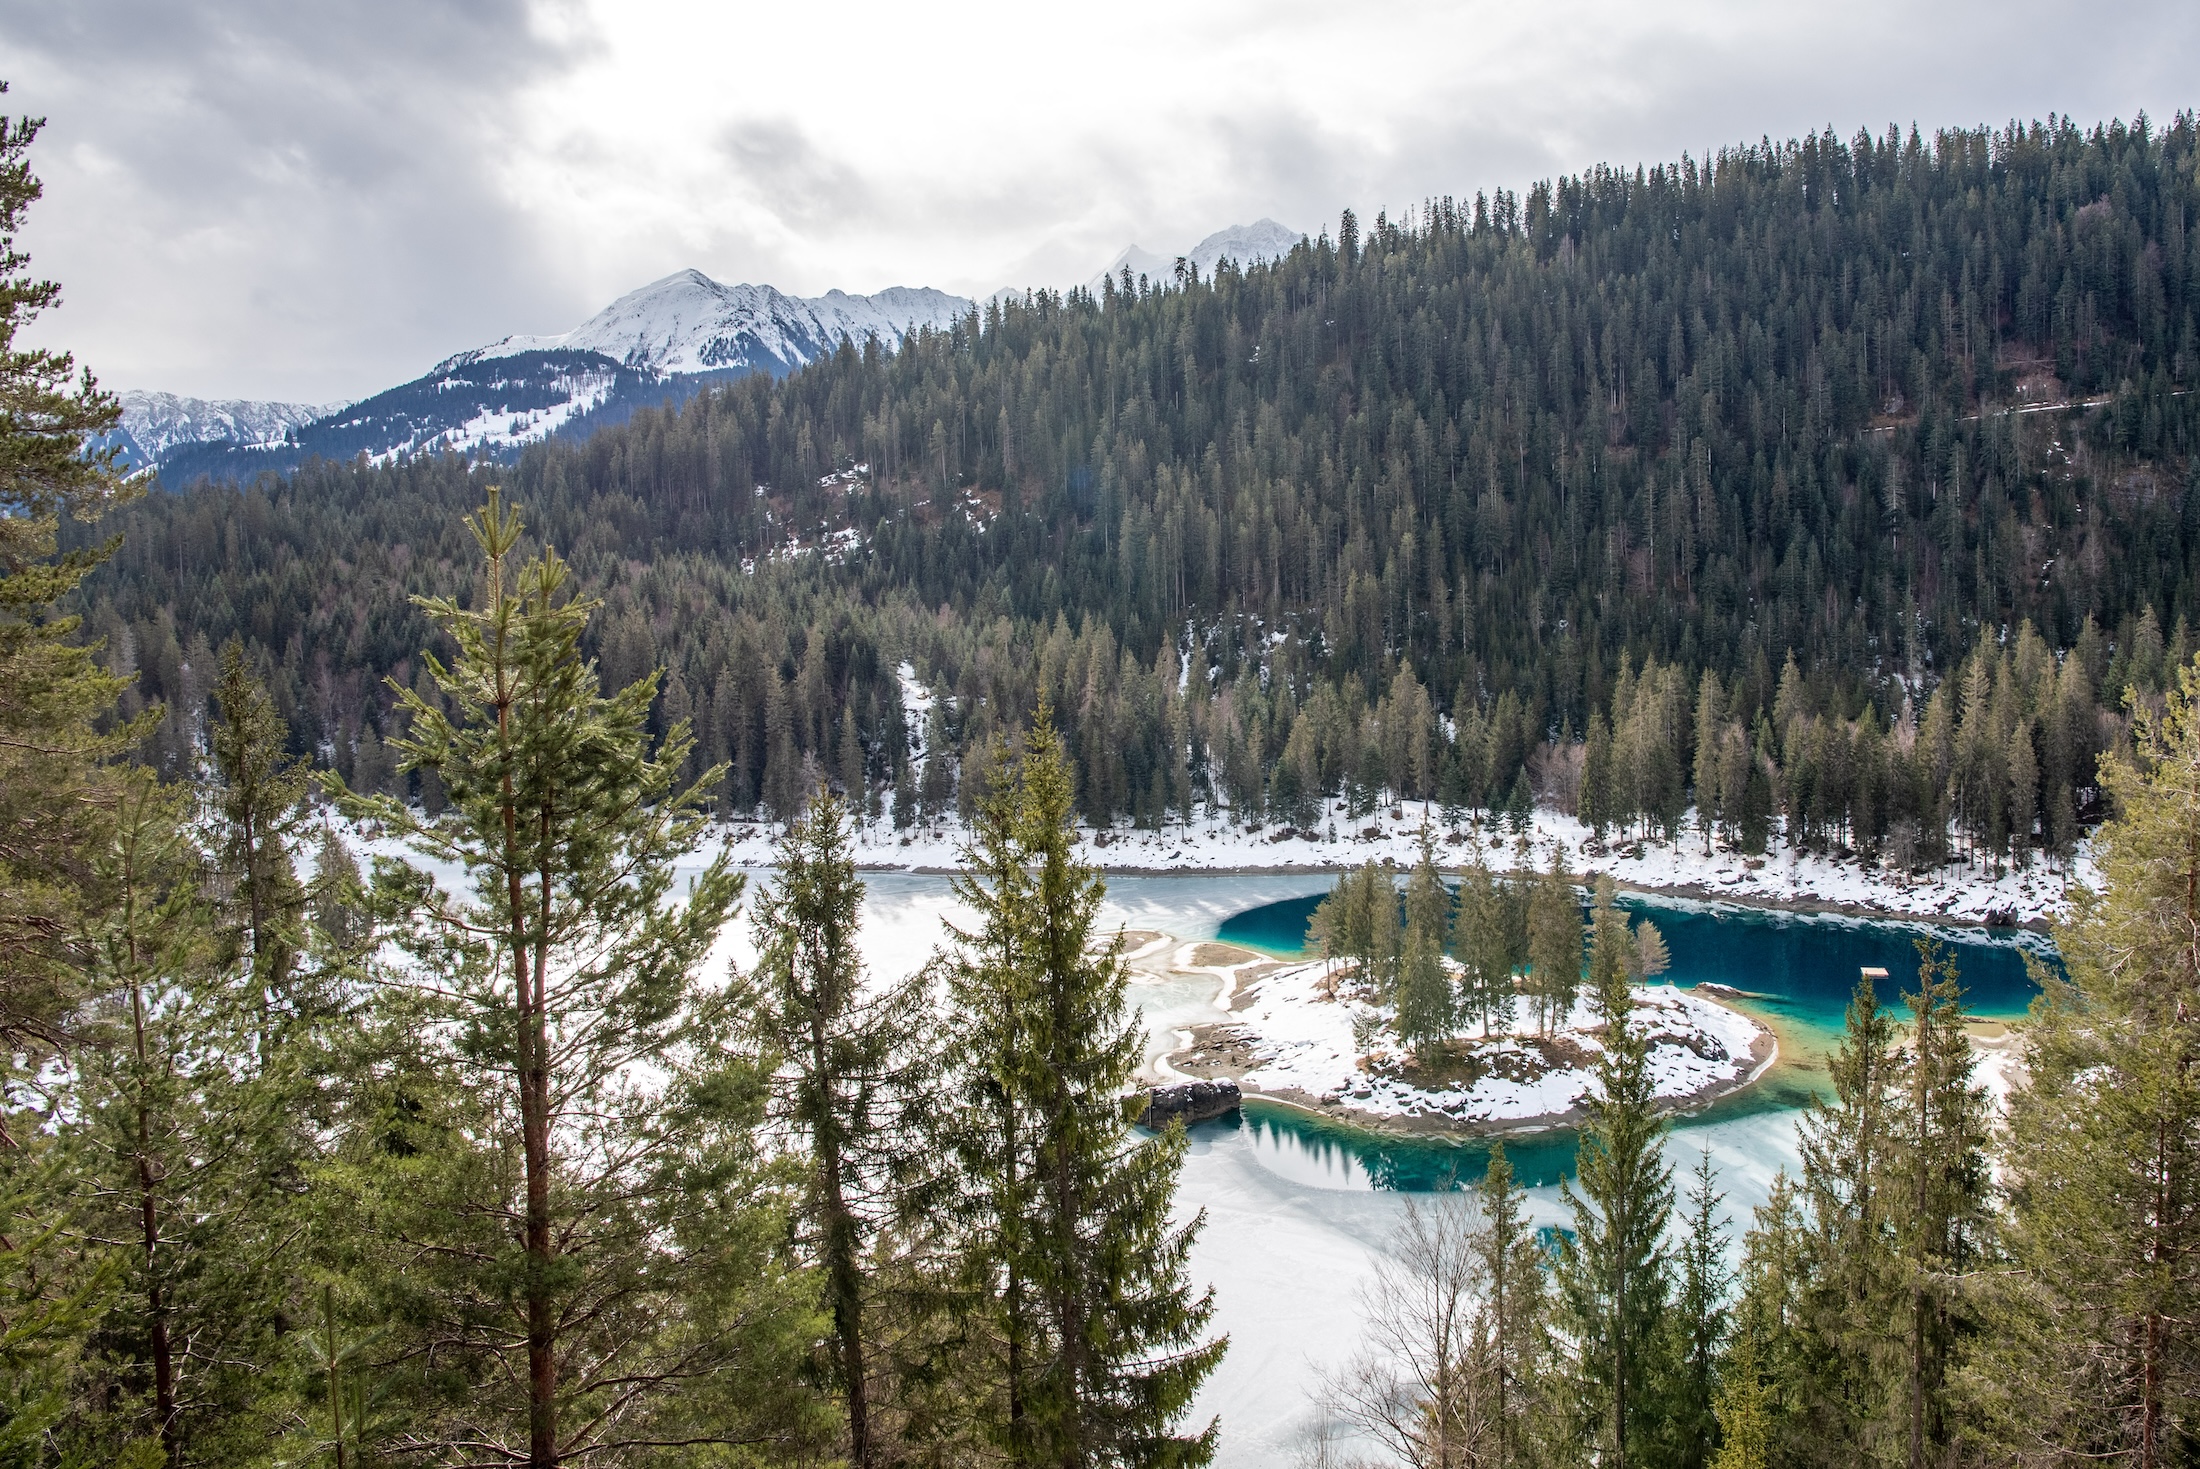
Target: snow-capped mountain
658, 345
689, 323
1264, 239
153, 424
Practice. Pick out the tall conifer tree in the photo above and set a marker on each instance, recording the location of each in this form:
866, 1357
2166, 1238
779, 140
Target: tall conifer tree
848, 1083
1614, 1273
601, 1267
1427, 1008
1101, 1335
2098, 1355
258, 805
1937, 1197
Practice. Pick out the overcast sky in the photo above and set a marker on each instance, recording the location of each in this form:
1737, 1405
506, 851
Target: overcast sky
314, 201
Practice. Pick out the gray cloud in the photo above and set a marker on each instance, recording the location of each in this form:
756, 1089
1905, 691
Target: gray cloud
776, 164
277, 199
309, 201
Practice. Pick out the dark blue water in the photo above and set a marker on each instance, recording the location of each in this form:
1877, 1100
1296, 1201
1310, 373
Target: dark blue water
1802, 964
1795, 971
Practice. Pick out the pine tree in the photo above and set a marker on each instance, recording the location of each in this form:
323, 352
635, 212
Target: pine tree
1554, 944
1937, 1197
849, 1082
55, 698
1699, 1321
174, 1139
599, 1271
2103, 1153
1614, 1275
258, 805
1513, 1265
1067, 1214
59, 785
1427, 1012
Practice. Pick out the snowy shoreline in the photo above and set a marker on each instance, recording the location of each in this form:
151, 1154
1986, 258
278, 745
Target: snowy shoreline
1783, 879
1289, 1033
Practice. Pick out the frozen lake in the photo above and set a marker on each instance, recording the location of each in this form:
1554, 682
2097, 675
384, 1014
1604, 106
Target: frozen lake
1295, 1208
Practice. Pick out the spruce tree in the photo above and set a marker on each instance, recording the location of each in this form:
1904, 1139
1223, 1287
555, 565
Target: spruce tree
258, 806
1710, 714
2097, 1356
991, 1122
1700, 1330
1846, 1356
1554, 944
1614, 1273
1484, 947
849, 1082
1937, 1197
1068, 1229
1427, 1012
1513, 1265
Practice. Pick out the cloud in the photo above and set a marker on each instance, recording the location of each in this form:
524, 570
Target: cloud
284, 200
306, 201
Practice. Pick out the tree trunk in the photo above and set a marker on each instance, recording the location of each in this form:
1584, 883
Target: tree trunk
534, 1087
149, 1174
532, 1066
840, 1250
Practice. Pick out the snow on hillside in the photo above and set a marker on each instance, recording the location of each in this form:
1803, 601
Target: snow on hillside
689, 323
498, 430
157, 422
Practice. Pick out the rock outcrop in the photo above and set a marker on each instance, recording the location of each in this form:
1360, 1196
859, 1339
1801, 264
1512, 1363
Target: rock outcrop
1197, 1101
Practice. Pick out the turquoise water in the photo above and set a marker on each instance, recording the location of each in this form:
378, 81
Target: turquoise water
1796, 972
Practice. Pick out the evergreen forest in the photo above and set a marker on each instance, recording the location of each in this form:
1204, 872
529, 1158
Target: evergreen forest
1839, 491
1832, 494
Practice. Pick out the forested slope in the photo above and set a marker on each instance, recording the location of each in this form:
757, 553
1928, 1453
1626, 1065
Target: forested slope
1416, 504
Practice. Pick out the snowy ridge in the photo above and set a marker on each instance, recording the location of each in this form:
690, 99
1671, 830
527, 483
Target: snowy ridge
689, 323
500, 430
158, 422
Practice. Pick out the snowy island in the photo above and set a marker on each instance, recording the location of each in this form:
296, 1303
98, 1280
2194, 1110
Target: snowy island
1297, 1033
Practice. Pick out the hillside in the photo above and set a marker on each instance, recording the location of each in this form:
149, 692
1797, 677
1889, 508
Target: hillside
1839, 487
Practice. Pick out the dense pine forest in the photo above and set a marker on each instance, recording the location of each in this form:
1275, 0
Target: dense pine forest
1841, 490
1834, 493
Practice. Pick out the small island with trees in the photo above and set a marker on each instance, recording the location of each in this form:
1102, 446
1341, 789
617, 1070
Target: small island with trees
1505, 1033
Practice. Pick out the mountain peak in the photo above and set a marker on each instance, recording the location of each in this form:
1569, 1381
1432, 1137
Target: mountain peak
657, 344
687, 322
1263, 239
